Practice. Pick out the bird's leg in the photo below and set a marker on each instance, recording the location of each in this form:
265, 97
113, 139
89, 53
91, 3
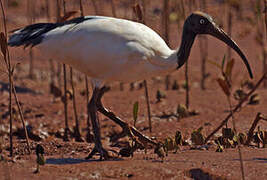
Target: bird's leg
92, 111
127, 129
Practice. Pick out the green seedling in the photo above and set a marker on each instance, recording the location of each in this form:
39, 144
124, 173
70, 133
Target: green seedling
254, 99
178, 138
160, 151
239, 138
169, 144
160, 95
228, 133
197, 137
239, 95
219, 146
40, 157
135, 111
182, 111
172, 143
260, 137
175, 85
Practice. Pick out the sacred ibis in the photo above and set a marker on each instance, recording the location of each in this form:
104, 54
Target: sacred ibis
110, 49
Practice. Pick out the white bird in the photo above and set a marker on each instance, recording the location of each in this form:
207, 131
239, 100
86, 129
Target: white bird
110, 49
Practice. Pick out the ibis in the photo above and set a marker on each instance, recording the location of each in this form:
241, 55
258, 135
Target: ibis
110, 49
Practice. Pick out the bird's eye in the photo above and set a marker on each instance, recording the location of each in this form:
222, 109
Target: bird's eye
202, 21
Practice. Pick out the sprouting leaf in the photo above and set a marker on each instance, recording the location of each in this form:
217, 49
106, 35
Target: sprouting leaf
224, 86
135, 111
160, 151
169, 144
228, 133
242, 138
197, 137
39, 150
219, 148
160, 95
3, 43
214, 63
229, 68
181, 111
239, 94
223, 61
175, 85
178, 138
200, 129
254, 99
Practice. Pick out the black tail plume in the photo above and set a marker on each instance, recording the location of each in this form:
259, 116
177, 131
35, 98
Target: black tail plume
30, 35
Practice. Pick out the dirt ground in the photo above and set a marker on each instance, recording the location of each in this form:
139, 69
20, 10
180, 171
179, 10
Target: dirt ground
44, 114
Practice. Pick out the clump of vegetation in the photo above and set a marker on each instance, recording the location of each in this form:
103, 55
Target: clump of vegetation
40, 160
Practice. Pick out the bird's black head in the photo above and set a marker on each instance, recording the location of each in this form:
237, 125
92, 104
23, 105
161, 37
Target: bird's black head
202, 23
199, 22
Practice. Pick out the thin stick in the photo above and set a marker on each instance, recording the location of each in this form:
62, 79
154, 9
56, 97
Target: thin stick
145, 83
141, 19
230, 16
81, 8
30, 11
21, 117
77, 133
88, 137
47, 7
114, 14
203, 47
95, 7
263, 46
58, 10
8, 65
265, 12
12, 89
186, 66
238, 145
67, 130
165, 24
148, 107
237, 107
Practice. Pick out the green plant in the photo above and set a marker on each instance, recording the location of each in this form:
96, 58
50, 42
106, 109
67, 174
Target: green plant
40, 160
135, 111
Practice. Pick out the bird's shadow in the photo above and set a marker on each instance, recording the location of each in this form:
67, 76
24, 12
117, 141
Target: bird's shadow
5, 87
261, 160
64, 161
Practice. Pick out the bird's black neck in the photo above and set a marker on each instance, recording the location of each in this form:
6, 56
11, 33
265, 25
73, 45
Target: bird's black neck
188, 38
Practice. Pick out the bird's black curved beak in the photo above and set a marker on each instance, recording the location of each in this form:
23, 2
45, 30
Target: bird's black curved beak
217, 32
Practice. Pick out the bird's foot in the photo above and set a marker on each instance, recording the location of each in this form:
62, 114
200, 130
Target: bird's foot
103, 153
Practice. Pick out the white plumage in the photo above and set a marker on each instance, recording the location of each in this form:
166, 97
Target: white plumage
110, 49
